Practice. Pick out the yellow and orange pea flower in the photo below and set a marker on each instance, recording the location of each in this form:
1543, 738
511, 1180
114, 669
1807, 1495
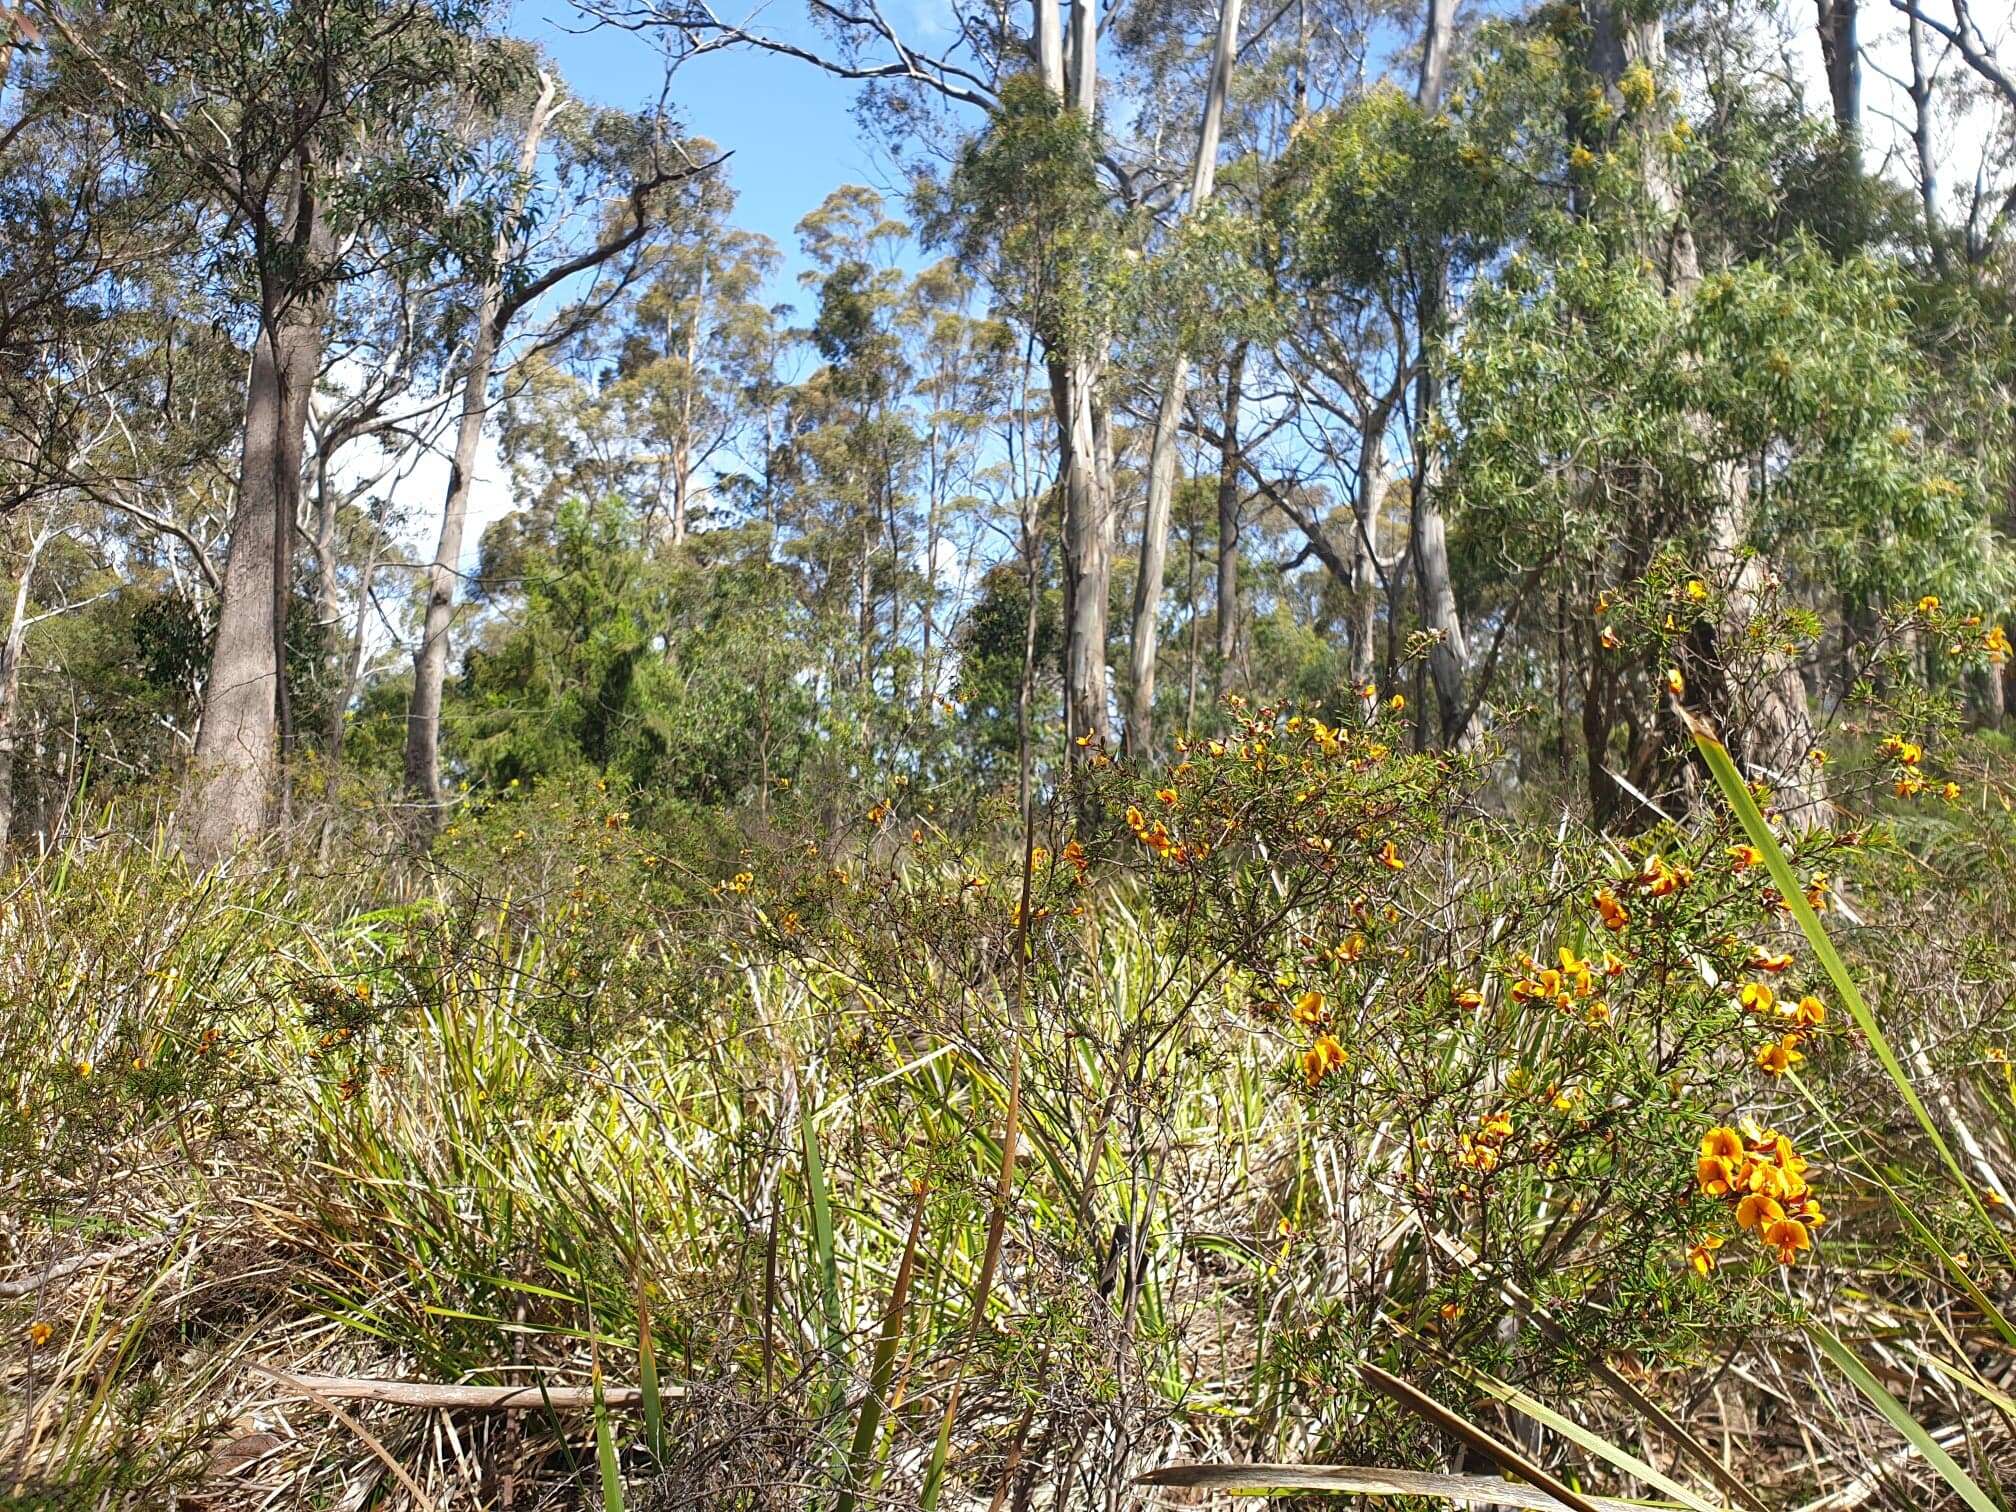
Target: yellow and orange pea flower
1321, 1058
1761, 959
1786, 1238
1929, 604
1167, 795
1757, 997
39, 1333
1136, 820
1309, 1008
1780, 1056
1468, 999
1702, 1254
1389, 857
1722, 1155
1659, 879
1758, 1209
1350, 948
1809, 1012
1615, 915
1609, 639
1475, 1155
1675, 683
1768, 1179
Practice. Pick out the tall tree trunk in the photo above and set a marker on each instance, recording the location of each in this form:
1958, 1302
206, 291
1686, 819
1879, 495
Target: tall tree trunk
1841, 53
1228, 513
1765, 718
1449, 658
934, 492
1084, 438
1049, 45
1083, 58
1168, 420
11, 649
302, 365
1921, 140
682, 453
430, 661
1190, 599
242, 697
1364, 582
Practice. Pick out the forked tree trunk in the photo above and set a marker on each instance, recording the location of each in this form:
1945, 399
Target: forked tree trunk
1168, 421
430, 661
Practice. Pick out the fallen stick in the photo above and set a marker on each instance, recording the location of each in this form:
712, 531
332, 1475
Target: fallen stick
64, 1270
429, 1394
1367, 1480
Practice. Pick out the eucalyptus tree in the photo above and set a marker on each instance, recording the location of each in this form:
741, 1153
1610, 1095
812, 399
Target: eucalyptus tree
691, 338
964, 368
615, 175
1162, 449
296, 123
660, 394
1031, 201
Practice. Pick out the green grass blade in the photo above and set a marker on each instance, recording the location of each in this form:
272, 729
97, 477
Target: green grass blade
605, 1451
647, 1378
823, 1252
883, 1367
997, 1220
1618, 1456
1846, 1361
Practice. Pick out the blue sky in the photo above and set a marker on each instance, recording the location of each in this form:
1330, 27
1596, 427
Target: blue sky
794, 141
787, 123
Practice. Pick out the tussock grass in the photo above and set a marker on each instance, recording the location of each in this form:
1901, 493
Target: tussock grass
589, 1126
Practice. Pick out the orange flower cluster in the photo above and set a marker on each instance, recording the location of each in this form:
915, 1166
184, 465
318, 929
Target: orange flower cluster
1658, 879
1907, 754
1765, 1177
1571, 983
1480, 1151
1156, 836
1615, 914
1780, 1055
1322, 1057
